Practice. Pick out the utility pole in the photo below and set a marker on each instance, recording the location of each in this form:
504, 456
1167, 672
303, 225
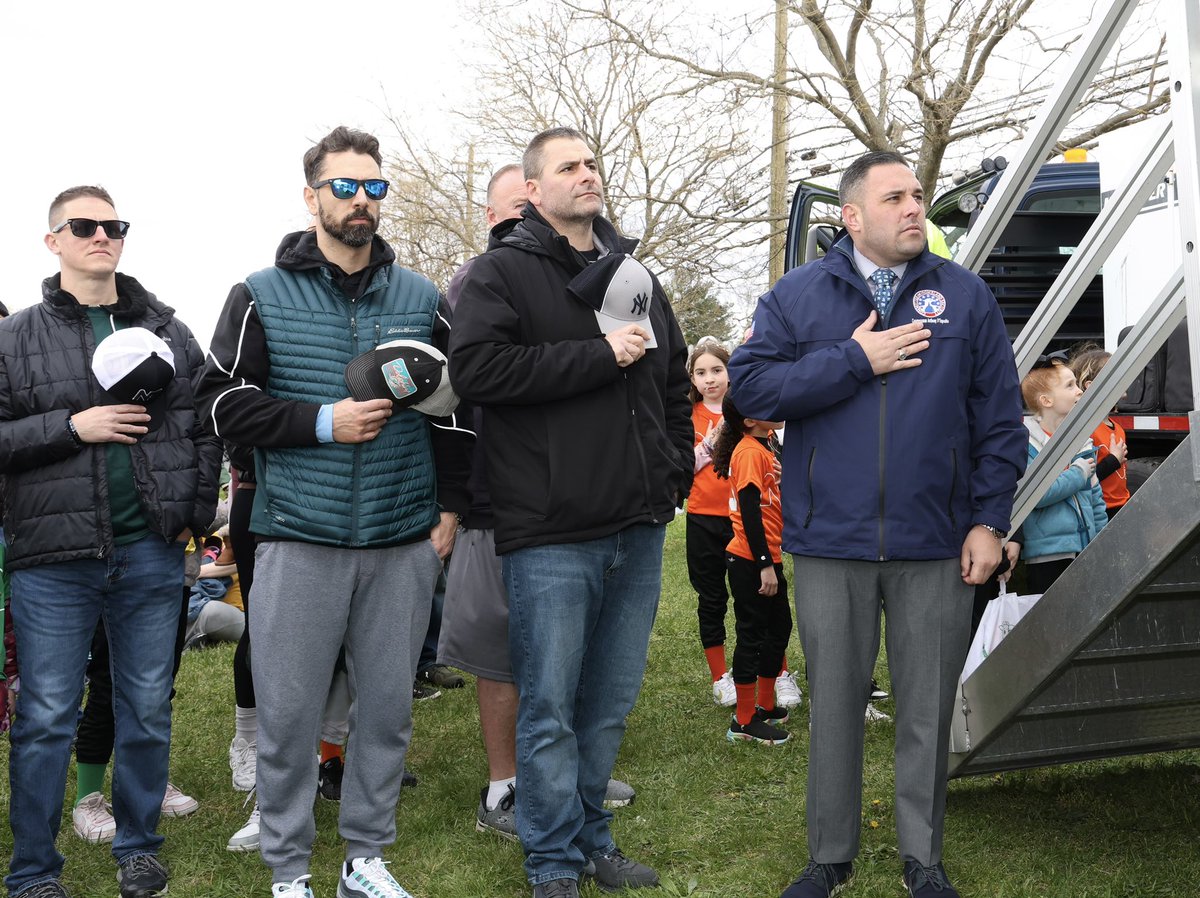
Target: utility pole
470, 225
777, 204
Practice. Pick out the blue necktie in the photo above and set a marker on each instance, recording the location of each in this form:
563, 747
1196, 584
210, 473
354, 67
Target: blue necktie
883, 278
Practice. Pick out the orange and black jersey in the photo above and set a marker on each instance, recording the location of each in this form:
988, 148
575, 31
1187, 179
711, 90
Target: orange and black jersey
754, 504
709, 494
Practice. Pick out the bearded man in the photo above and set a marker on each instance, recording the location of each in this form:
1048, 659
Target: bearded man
355, 508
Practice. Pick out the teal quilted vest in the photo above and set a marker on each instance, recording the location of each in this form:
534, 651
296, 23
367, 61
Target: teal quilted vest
378, 493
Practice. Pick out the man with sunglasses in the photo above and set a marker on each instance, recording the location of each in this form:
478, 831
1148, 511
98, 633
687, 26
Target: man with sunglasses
354, 510
102, 497
905, 442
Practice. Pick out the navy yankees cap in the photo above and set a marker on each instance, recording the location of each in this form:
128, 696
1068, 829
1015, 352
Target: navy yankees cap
620, 290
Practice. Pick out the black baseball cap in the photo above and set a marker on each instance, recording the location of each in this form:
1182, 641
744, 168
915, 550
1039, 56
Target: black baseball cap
410, 373
134, 366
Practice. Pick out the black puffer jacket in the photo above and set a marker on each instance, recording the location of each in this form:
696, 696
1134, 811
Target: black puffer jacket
577, 447
56, 493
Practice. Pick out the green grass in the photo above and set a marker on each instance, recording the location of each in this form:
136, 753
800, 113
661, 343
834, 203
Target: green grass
715, 819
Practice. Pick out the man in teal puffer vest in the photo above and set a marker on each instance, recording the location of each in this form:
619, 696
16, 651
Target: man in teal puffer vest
355, 509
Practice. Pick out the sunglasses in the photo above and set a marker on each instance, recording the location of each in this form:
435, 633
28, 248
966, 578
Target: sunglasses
1050, 360
114, 229
346, 188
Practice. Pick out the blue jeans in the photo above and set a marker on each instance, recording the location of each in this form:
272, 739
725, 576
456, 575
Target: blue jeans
55, 608
580, 616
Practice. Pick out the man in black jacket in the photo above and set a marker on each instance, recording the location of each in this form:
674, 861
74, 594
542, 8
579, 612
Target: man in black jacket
572, 350
104, 489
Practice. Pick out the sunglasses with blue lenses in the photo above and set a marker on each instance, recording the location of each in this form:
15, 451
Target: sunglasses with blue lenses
346, 188
114, 229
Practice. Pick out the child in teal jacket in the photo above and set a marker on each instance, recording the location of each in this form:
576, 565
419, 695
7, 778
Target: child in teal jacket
1071, 512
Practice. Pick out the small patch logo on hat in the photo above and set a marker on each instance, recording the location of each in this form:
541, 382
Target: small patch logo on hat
929, 303
399, 381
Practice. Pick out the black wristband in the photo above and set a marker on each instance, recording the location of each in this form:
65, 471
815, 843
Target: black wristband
74, 433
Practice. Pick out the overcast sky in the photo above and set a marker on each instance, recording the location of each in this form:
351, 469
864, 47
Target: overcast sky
195, 118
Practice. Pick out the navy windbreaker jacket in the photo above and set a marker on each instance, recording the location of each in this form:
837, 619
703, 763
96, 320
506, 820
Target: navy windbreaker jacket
898, 466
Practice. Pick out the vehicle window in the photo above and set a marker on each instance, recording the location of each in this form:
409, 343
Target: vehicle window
1082, 201
825, 219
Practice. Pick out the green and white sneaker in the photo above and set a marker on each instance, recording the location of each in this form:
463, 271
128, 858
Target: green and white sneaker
367, 877
297, 888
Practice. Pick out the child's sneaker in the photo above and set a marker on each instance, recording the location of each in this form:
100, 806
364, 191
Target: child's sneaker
92, 819
777, 716
243, 760
618, 794
367, 877
874, 715
757, 730
246, 838
176, 804
329, 779
724, 693
787, 693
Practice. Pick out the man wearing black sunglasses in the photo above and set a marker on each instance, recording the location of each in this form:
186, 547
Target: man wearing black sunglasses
101, 498
355, 507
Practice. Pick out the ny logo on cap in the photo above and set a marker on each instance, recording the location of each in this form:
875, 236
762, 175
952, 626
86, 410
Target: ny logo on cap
640, 301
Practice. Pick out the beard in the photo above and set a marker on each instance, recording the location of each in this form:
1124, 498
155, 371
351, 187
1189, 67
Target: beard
355, 235
569, 210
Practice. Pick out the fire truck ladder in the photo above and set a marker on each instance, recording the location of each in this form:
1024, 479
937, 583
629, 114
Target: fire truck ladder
1108, 661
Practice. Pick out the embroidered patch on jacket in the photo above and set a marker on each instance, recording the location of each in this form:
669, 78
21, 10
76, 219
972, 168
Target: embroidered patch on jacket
929, 303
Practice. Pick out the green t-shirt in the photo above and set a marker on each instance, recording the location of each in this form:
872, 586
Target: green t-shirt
128, 520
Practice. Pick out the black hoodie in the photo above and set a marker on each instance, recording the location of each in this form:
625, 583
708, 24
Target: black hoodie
577, 447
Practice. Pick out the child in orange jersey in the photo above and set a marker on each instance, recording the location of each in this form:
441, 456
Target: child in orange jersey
754, 561
1108, 437
708, 527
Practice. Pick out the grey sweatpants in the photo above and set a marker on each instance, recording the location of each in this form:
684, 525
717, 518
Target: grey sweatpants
308, 599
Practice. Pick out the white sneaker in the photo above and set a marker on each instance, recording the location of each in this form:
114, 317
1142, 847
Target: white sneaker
176, 804
874, 715
243, 759
93, 819
787, 693
724, 693
246, 838
297, 888
369, 876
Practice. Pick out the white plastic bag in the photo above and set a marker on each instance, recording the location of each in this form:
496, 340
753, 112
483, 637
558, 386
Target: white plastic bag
999, 617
